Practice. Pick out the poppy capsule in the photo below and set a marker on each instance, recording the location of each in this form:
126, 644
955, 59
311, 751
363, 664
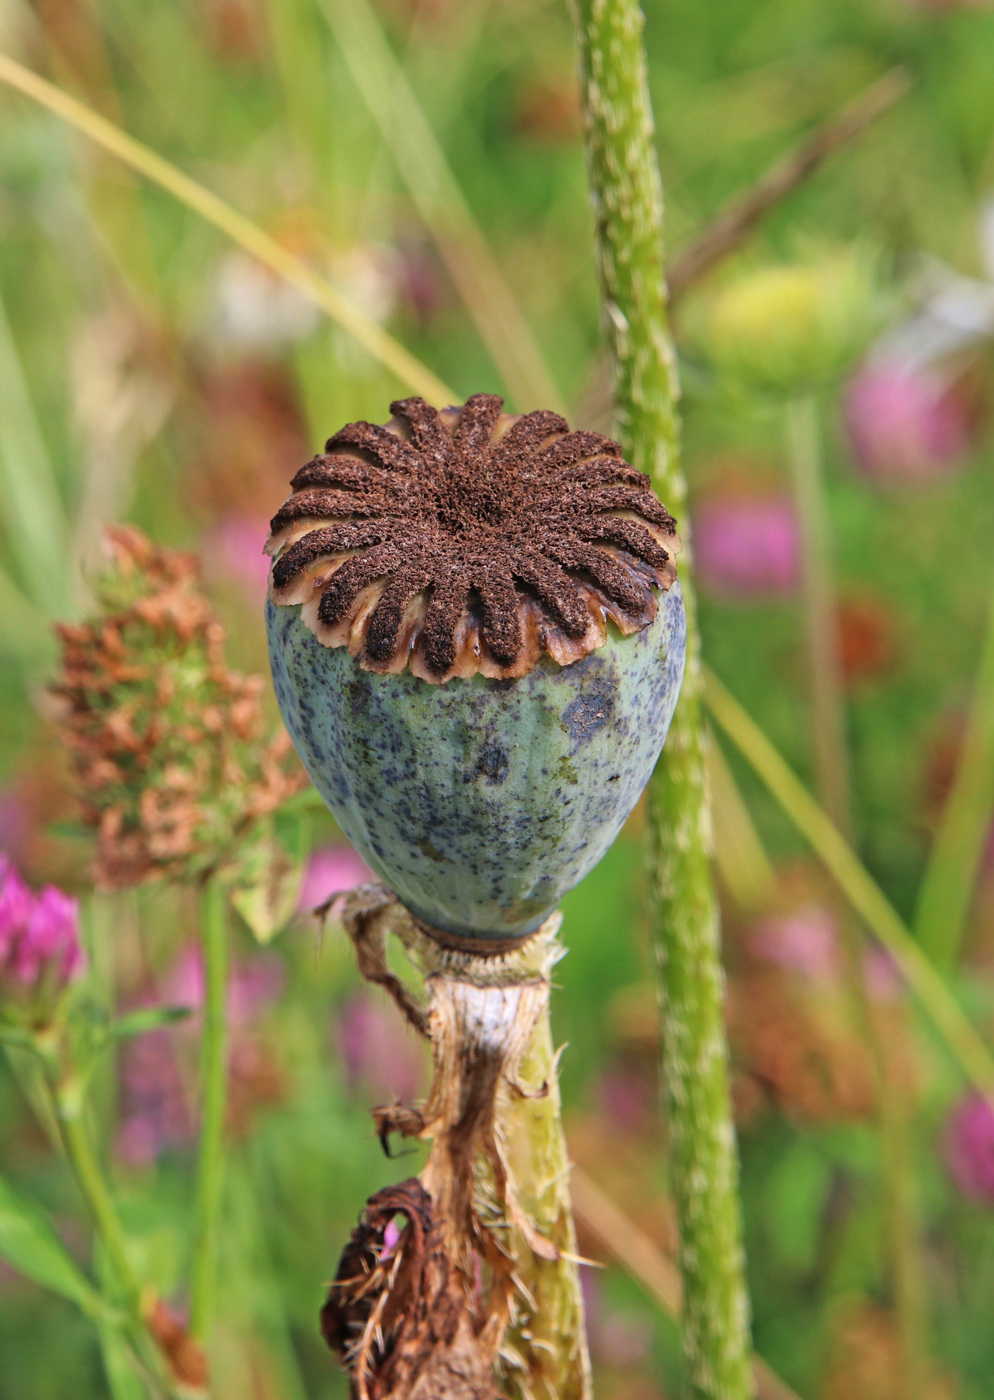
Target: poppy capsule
477, 640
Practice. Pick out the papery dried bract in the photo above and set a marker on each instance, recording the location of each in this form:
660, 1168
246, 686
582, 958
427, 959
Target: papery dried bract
168, 745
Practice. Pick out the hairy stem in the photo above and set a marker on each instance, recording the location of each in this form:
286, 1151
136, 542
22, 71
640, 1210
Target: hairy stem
494, 1008
627, 202
548, 1334
214, 1079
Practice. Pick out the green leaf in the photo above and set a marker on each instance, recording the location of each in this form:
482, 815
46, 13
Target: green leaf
270, 874
29, 1242
17, 1036
122, 1381
149, 1018
308, 799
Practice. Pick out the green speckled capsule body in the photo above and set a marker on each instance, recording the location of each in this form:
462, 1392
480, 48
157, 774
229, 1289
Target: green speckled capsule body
481, 802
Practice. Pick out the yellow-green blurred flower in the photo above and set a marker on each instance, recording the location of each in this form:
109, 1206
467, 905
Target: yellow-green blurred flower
786, 328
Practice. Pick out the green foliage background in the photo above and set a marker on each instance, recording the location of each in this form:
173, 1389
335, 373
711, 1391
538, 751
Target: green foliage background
257, 99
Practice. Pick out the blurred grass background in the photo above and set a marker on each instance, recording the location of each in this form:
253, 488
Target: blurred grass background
150, 372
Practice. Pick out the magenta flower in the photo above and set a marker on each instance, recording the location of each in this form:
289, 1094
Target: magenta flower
331, 870
617, 1339
969, 1148
904, 424
747, 547
15, 821
40, 948
155, 1108
379, 1053
253, 986
231, 550
155, 1113
627, 1097
804, 941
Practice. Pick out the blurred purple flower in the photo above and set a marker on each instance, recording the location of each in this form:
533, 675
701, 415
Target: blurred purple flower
904, 423
154, 1109
627, 1097
253, 985
15, 906
884, 980
747, 547
804, 941
616, 1338
330, 870
379, 1053
233, 549
969, 1148
420, 282
40, 949
15, 821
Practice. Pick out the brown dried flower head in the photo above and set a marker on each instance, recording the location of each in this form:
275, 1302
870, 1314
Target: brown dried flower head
168, 745
470, 540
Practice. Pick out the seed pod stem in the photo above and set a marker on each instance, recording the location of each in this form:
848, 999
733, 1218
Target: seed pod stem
627, 202
549, 1335
495, 1186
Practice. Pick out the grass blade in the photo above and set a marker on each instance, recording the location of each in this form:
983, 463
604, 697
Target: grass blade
440, 202
33, 514
855, 882
946, 892
241, 230
30, 1244
741, 857
639, 1255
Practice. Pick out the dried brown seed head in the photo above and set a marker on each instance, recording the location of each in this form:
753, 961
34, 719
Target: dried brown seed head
470, 540
169, 747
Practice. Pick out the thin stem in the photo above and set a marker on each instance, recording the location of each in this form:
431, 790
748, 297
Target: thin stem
947, 889
67, 1098
435, 192
641, 1258
736, 220
100, 1203
214, 1080
831, 750
820, 614
627, 202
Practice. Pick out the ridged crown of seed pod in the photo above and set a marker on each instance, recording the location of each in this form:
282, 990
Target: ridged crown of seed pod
469, 540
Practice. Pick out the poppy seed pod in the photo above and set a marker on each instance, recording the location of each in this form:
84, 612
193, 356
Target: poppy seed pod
477, 640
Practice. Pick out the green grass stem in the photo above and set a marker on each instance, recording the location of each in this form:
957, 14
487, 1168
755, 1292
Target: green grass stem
627, 202
825, 695
378, 342
214, 1079
432, 186
864, 895
950, 877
